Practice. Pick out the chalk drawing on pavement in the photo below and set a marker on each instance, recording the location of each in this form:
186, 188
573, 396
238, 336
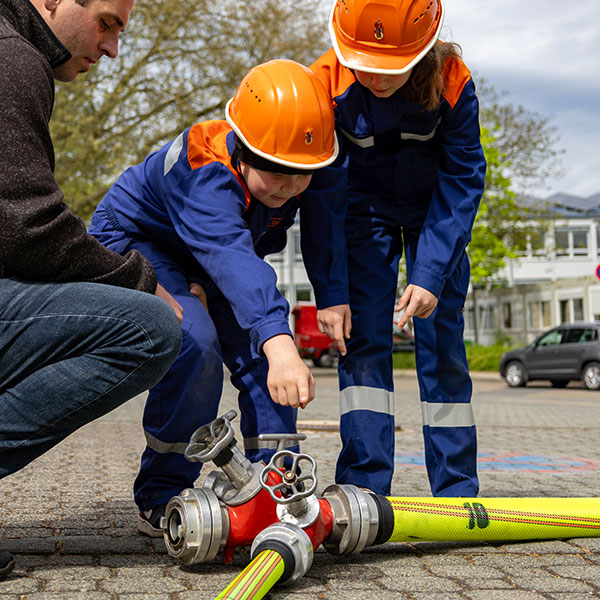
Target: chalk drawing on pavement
511, 461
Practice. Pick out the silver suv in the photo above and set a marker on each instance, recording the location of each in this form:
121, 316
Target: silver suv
565, 353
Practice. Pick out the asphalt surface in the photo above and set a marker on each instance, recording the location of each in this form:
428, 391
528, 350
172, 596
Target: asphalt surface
69, 517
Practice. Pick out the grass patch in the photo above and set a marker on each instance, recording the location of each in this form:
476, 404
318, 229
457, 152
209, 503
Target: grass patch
480, 358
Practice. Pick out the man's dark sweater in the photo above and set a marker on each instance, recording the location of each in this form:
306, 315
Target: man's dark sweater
40, 239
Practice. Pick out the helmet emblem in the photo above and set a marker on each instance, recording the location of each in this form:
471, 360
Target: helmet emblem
308, 137
378, 29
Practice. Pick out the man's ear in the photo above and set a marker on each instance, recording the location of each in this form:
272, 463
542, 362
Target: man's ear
50, 5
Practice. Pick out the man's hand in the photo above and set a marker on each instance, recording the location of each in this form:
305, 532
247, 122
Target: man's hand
289, 380
164, 295
336, 322
418, 302
197, 290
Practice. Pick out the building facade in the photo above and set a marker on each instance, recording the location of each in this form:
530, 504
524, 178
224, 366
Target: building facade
554, 281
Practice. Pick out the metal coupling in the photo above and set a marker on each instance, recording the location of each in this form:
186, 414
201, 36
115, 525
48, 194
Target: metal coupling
356, 519
195, 526
292, 542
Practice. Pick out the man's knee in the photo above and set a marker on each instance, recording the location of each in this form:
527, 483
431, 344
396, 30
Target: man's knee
162, 327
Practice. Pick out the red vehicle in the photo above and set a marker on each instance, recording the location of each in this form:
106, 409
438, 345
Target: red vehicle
311, 343
317, 346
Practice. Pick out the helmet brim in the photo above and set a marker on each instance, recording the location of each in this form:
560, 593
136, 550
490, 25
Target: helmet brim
300, 162
379, 59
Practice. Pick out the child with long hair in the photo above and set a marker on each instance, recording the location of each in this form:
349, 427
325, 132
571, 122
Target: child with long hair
407, 117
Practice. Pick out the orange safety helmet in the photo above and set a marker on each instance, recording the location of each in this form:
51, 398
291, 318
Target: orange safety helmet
384, 36
282, 113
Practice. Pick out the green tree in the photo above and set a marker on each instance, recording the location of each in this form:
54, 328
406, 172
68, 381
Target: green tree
496, 219
179, 62
520, 150
519, 147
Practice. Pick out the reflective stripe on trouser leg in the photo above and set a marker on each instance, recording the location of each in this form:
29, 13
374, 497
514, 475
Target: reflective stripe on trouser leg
365, 372
367, 430
258, 413
449, 430
186, 398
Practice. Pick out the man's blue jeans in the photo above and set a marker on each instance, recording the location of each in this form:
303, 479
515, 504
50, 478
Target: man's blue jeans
70, 353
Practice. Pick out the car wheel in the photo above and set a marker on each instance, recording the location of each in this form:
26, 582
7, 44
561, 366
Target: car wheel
591, 376
326, 360
515, 374
559, 383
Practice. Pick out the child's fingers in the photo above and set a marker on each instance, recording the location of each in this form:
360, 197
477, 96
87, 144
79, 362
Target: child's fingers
306, 392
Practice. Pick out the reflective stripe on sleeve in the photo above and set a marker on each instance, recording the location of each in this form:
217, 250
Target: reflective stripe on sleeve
447, 414
164, 447
369, 142
359, 397
173, 154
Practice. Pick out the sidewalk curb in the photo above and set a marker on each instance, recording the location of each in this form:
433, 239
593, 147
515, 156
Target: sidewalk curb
480, 375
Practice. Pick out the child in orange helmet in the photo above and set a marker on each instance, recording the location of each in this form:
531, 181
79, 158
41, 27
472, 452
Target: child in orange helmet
407, 117
205, 209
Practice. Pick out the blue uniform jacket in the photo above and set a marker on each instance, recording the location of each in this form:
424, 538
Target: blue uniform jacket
187, 199
403, 153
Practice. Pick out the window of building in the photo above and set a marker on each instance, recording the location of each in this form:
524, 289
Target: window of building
578, 309
545, 313
468, 315
303, 294
297, 249
534, 315
561, 242
489, 317
571, 241
565, 315
507, 315
538, 314
580, 241
536, 242
528, 242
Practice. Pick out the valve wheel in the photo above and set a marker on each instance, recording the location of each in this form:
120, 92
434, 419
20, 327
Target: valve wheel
208, 441
294, 485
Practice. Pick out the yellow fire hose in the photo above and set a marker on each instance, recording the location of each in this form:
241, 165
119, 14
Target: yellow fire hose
444, 519
256, 579
489, 519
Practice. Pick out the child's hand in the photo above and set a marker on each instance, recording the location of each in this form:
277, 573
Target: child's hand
197, 290
290, 381
162, 293
418, 301
336, 322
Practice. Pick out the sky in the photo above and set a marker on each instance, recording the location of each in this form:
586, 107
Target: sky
545, 54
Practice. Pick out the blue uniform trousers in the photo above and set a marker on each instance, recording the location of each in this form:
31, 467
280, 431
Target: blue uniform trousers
188, 395
377, 230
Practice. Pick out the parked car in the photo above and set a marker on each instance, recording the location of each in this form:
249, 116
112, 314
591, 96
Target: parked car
565, 353
403, 339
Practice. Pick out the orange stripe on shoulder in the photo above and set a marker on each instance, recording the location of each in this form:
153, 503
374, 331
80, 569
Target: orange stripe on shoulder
456, 76
207, 143
333, 75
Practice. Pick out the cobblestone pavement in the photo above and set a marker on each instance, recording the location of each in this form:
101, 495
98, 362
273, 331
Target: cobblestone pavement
69, 517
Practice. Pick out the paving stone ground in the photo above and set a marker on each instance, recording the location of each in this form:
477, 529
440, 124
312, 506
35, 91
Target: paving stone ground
69, 517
